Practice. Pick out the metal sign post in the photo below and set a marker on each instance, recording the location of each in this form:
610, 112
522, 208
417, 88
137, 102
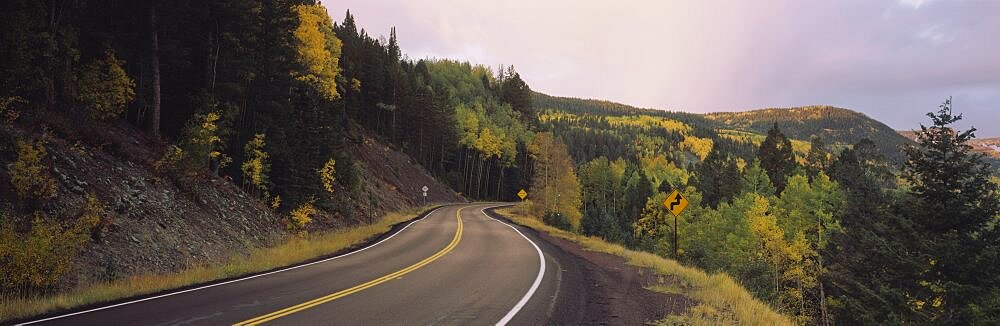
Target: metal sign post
425, 194
522, 194
675, 203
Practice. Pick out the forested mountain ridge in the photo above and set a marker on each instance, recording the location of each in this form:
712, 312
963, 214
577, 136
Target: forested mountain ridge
832, 124
837, 127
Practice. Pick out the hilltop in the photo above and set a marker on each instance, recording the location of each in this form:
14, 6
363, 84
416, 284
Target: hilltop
832, 124
838, 127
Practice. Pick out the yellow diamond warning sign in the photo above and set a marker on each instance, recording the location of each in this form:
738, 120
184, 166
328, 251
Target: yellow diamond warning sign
675, 203
523, 194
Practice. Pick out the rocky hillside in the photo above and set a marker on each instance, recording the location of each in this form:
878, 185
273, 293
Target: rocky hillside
156, 224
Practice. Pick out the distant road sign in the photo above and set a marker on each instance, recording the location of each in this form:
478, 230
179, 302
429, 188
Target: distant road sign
523, 194
424, 188
675, 203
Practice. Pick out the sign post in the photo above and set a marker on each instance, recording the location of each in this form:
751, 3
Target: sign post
522, 194
675, 203
425, 194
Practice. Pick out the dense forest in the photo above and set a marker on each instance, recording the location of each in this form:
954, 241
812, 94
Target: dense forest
835, 125
825, 232
846, 225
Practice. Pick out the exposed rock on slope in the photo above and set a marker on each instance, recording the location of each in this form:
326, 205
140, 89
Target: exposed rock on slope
158, 226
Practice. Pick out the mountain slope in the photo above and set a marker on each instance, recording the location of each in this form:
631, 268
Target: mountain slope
832, 124
838, 127
159, 225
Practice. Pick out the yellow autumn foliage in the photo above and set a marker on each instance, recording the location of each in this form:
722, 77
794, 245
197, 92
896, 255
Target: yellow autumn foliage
40, 258
256, 166
699, 146
104, 88
301, 216
318, 50
328, 174
30, 177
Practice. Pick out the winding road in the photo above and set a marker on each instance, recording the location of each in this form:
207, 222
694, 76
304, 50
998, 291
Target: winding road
454, 266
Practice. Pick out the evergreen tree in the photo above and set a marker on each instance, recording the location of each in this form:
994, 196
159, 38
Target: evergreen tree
776, 157
636, 189
954, 214
718, 178
818, 157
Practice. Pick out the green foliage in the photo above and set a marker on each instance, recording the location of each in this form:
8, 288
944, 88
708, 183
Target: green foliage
818, 159
104, 88
718, 178
835, 125
197, 149
636, 189
554, 186
776, 157
755, 180
201, 142
953, 216
557, 220
600, 185
30, 175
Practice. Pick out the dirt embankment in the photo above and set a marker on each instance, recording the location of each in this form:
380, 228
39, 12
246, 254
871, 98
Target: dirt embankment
157, 226
615, 292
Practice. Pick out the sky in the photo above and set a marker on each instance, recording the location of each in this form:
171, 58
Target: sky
894, 60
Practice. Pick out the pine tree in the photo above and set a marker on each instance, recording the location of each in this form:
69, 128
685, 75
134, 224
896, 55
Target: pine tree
776, 157
954, 215
718, 178
818, 157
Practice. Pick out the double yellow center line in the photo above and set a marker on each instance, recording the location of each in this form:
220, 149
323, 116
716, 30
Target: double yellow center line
360, 287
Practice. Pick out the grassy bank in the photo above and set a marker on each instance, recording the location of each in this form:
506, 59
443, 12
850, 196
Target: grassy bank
722, 301
292, 251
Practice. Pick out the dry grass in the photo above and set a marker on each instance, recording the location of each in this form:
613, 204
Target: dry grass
292, 251
723, 300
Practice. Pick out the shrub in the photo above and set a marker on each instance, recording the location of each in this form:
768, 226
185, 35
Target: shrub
95, 214
200, 141
30, 177
301, 216
39, 259
557, 220
169, 163
327, 174
104, 88
8, 109
256, 165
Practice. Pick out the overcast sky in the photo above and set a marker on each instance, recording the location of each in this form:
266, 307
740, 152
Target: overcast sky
892, 59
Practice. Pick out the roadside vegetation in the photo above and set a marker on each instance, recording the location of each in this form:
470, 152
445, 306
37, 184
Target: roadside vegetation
296, 249
822, 234
722, 300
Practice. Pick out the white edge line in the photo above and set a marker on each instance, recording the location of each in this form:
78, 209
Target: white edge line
538, 279
230, 281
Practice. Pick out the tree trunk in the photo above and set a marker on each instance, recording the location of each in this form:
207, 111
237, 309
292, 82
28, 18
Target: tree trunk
500, 182
153, 120
479, 177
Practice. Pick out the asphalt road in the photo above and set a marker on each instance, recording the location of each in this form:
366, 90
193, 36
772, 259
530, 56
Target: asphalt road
456, 266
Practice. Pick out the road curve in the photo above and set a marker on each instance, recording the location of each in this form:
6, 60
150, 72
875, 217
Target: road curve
456, 266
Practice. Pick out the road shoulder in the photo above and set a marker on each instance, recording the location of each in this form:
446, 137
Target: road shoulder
601, 288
